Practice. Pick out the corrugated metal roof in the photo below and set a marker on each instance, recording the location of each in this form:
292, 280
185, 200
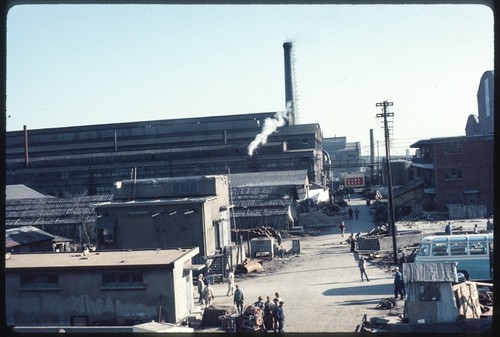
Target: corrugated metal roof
47, 211
270, 178
22, 192
430, 272
25, 235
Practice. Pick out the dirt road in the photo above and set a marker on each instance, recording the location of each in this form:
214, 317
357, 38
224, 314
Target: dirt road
321, 287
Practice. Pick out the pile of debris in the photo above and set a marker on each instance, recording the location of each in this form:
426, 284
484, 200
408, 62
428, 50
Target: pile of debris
250, 266
317, 219
427, 216
250, 321
258, 232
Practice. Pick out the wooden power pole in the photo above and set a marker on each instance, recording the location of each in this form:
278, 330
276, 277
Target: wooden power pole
391, 217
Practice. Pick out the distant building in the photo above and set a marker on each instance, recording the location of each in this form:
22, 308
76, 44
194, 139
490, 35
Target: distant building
21, 191
73, 218
268, 198
73, 161
484, 122
458, 174
26, 239
166, 213
98, 288
345, 156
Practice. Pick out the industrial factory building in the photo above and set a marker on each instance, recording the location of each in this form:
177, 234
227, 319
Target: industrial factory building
166, 213
72, 161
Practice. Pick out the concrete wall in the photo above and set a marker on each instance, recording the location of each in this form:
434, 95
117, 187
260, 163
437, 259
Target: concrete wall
136, 228
81, 293
384, 243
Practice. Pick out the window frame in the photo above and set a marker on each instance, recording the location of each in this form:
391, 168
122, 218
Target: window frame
36, 281
122, 280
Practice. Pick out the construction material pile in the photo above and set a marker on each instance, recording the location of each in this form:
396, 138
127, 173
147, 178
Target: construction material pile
427, 216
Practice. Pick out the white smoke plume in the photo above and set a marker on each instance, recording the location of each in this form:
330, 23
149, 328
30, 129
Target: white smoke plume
270, 126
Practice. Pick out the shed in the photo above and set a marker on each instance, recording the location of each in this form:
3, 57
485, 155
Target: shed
32, 239
429, 292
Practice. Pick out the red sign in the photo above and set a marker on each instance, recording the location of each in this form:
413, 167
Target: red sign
357, 181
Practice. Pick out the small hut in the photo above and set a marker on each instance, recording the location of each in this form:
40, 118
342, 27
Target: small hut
429, 291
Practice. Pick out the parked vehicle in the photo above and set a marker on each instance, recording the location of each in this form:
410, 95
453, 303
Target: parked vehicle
473, 253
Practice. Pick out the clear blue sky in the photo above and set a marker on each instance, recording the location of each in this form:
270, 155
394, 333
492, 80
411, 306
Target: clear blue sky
94, 64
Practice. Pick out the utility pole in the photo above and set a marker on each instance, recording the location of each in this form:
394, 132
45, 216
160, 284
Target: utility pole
392, 220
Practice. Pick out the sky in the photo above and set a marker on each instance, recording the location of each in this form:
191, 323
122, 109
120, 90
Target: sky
70, 65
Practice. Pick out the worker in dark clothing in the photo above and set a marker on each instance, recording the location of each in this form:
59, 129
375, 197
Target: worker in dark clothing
268, 314
280, 315
239, 299
447, 229
259, 304
350, 213
352, 241
399, 284
275, 314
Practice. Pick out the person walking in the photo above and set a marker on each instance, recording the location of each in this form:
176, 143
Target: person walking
352, 241
230, 282
350, 213
280, 315
342, 229
201, 284
239, 299
268, 314
362, 268
447, 229
356, 213
399, 284
208, 295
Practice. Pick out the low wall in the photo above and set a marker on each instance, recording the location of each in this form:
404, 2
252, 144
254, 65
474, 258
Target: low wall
385, 242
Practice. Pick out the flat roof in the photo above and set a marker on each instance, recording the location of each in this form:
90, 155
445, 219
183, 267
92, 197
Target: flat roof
147, 202
121, 258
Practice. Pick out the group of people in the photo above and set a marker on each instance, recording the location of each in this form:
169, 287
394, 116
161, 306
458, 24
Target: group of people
205, 291
350, 211
489, 228
272, 311
399, 284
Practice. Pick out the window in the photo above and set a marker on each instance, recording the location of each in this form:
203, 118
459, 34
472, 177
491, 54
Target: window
122, 279
35, 281
439, 248
452, 148
108, 235
429, 292
477, 247
458, 246
452, 173
424, 249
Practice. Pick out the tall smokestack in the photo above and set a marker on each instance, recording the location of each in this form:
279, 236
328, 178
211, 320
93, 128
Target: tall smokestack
289, 83
26, 156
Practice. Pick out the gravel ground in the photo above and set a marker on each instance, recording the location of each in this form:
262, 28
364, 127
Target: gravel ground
321, 285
